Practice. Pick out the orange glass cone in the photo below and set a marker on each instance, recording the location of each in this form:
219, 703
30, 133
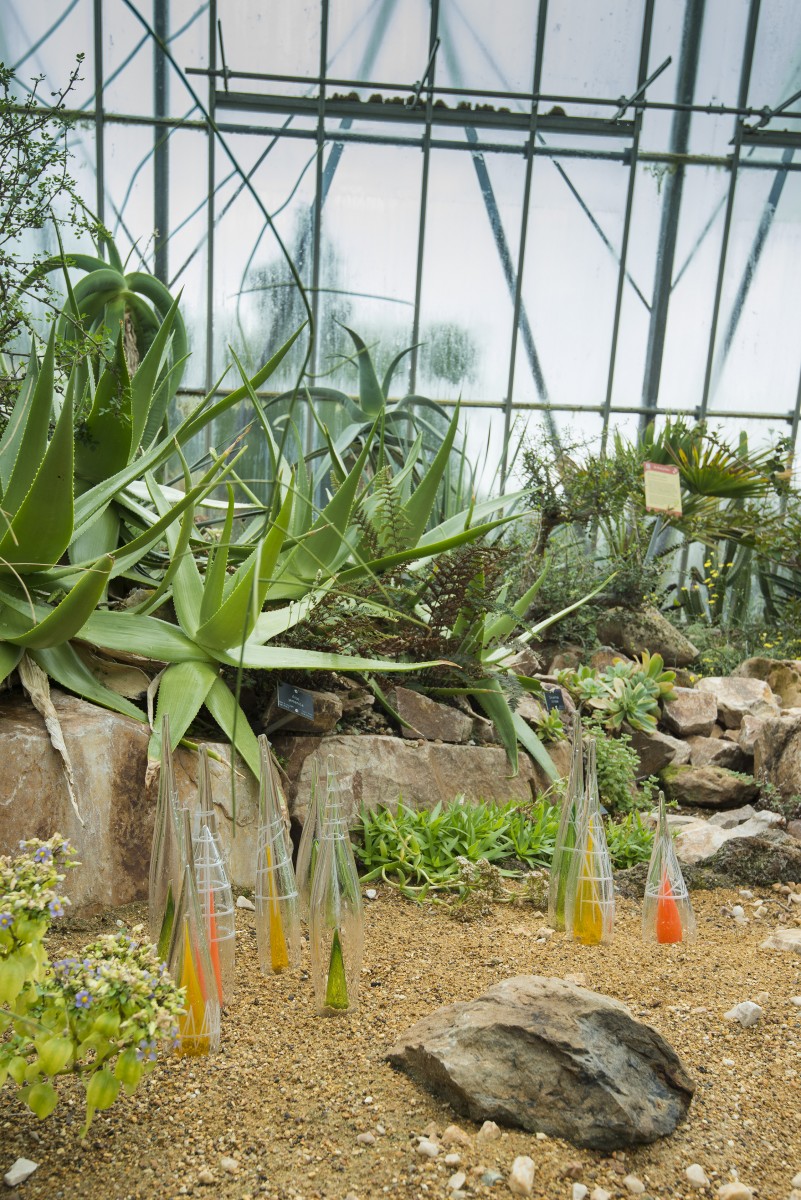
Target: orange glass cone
193, 1038
668, 917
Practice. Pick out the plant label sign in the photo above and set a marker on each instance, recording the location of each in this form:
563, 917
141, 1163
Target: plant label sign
662, 489
554, 700
295, 700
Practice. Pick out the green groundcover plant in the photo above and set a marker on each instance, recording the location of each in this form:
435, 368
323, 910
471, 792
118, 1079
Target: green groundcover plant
100, 1017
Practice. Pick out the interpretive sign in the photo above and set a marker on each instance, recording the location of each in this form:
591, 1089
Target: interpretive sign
662, 489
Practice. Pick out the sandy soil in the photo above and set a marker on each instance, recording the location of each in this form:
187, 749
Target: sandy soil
289, 1093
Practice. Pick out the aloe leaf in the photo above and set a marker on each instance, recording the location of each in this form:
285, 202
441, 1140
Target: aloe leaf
183, 689
105, 445
530, 742
63, 665
144, 380
417, 508
371, 397
187, 583
234, 621
214, 581
102, 537
223, 707
390, 371
147, 636
70, 615
24, 441
41, 529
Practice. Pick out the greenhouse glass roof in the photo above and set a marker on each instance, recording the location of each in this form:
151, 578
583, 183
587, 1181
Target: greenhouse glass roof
578, 211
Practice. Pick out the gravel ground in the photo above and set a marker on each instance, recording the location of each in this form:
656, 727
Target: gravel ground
278, 1112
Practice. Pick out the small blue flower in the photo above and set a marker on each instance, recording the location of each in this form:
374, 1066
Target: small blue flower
6, 920
56, 908
83, 999
43, 855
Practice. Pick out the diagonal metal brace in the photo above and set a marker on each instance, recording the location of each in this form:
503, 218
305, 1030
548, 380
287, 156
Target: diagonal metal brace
627, 103
413, 101
769, 113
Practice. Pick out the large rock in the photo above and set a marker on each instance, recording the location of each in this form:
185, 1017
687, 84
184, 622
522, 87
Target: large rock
708, 787
748, 733
716, 752
657, 750
646, 629
547, 1055
783, 677
777, 754
327, 708
691, 714
701, 839
376, 770
760, 861
428, 718
108, 752
738, 697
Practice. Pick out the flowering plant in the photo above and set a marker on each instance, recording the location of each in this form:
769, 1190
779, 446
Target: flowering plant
100, 1016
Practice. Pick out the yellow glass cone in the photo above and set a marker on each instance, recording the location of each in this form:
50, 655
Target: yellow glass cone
193, 1038
588, 922
279, 955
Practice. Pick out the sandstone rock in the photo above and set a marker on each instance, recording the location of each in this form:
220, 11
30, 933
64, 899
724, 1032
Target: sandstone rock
646, 629
716, 752
748, 732
428, 718
746, 1013
708, 787
692, 712
606, 656
483, 732
109, 758
657, 750
327, 712
702, 839
546, 1055
376, 770
794, 830
568, 658
749, 862
521, 1176
783, 677
777, 754
734, 817
737, 697
783, 939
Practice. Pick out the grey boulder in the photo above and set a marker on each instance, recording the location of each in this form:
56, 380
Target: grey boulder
546, 1055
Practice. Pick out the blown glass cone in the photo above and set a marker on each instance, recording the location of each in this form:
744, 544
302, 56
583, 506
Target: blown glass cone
565, 846
590, 894
667, 914
277, 909
214, 889
190, 964
167, 854
336, 916
309, 848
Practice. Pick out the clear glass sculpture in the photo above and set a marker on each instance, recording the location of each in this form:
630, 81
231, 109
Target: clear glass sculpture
667, 914
336, 917
590, 893
213, 887
166, 855
189, 962
565, 847
309, 844
277, 909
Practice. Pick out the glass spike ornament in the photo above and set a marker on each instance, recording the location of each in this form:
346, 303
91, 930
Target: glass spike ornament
190, 965
277, 909
590, 894
667, 914
309, 848
213, 886
565, 847
166, 855
336, 917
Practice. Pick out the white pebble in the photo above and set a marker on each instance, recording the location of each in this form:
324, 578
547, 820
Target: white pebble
633, 1185
600, 1193
454, 1136
745, 894
735, 1191
19, 1171
540, 1136
243, 902
579, 1191
727, 1062
457, 1181
697, 1176
521, 1176
488, 1132
795, 1194
205, 1176
371, 893
796, 1000
737, 911
452, 1160
747, 1013
230, 1165
427, 1148
796, 1181
365, 1139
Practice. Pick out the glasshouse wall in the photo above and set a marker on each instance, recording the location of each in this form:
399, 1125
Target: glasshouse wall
582, 214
